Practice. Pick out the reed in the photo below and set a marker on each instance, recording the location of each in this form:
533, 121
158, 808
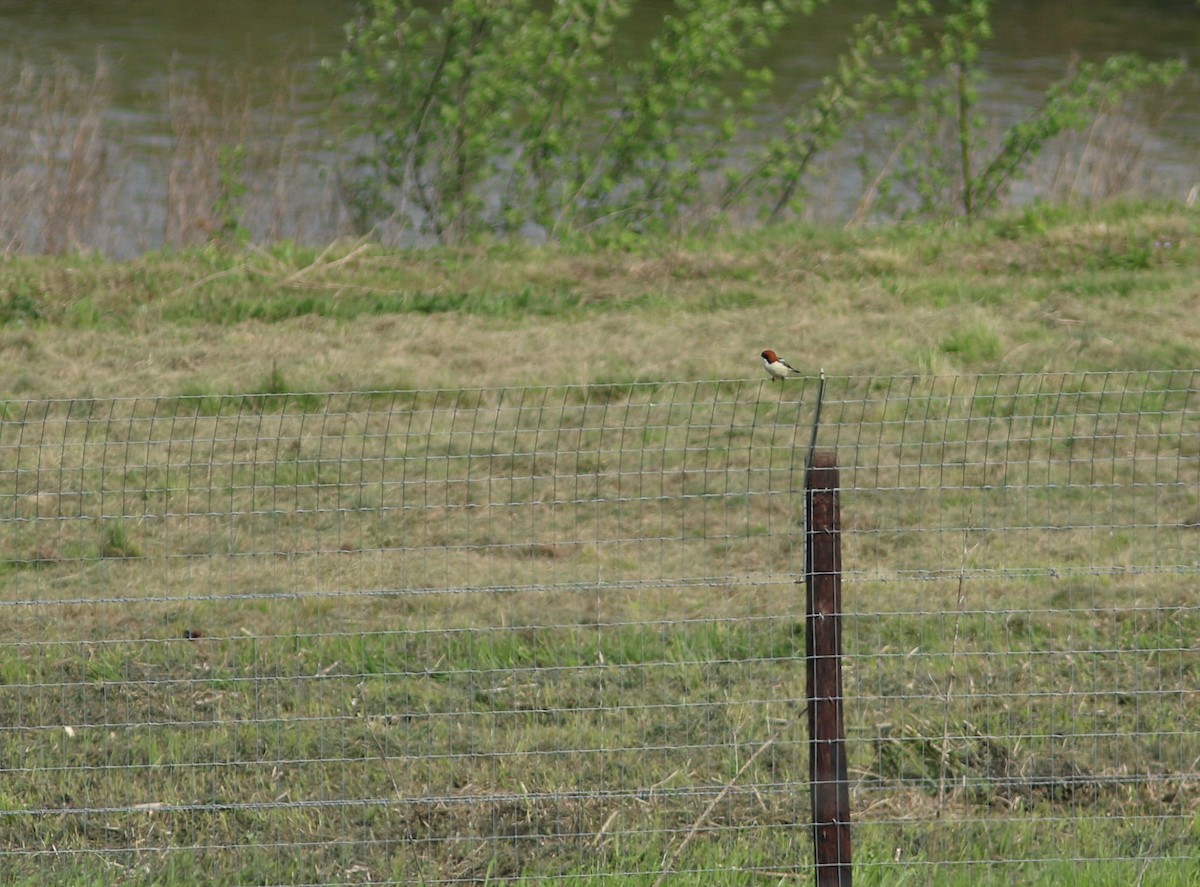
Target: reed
55, 165
228, 152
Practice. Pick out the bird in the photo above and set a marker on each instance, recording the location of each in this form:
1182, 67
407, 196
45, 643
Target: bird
776, 366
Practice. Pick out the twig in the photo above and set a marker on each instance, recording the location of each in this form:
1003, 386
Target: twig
962, 597
669, 860
319, 262
598, 838
783, 876
216, 275
867, 200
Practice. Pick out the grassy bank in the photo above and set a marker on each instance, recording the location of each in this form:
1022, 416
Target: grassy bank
475, 635
1044, 290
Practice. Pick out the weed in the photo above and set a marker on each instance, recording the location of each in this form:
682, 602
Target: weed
115, 542
19, 307
1132, 257
973, 346
228, 208
275, 394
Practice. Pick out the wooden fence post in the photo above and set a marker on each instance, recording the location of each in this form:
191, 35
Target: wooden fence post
823, 637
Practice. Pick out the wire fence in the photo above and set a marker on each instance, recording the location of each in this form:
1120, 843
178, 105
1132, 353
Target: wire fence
555, 634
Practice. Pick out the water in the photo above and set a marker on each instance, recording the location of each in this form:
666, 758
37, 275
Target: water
152, 196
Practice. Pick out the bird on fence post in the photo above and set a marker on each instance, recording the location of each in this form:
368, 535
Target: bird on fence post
776, 366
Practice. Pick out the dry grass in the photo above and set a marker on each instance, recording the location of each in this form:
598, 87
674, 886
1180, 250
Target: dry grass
54, 162
228, 161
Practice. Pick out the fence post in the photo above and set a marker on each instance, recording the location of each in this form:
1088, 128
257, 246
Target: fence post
823, 637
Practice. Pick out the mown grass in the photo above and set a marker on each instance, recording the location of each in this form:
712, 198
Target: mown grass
255, 633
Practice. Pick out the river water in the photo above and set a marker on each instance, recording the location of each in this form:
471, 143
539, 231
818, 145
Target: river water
152, 187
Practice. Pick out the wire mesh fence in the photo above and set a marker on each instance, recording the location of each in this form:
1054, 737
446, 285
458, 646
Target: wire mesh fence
556, 633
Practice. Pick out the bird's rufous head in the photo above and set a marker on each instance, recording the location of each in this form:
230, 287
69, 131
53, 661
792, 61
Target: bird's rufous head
770, 356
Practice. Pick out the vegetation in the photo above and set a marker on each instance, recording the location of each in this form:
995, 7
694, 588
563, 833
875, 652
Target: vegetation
1042, 289
489, 118
476, 120
229, 164
429, 629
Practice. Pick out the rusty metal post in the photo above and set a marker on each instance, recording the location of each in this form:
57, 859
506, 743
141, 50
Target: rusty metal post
823, 636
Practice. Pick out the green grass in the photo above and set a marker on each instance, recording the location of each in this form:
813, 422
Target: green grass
525, 302
259, 634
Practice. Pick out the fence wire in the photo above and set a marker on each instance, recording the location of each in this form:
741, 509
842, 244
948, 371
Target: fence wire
555, 634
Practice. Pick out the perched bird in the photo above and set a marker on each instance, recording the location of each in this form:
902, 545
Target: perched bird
776, 366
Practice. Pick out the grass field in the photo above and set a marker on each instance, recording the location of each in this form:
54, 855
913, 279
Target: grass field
519, 602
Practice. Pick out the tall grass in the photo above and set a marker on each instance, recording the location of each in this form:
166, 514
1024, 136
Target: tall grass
55, 168
226, 152
237, 157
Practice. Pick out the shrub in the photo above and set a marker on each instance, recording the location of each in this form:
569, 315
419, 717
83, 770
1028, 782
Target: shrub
486, 98
500, 118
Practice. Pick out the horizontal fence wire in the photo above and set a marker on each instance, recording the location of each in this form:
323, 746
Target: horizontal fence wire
555, 633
